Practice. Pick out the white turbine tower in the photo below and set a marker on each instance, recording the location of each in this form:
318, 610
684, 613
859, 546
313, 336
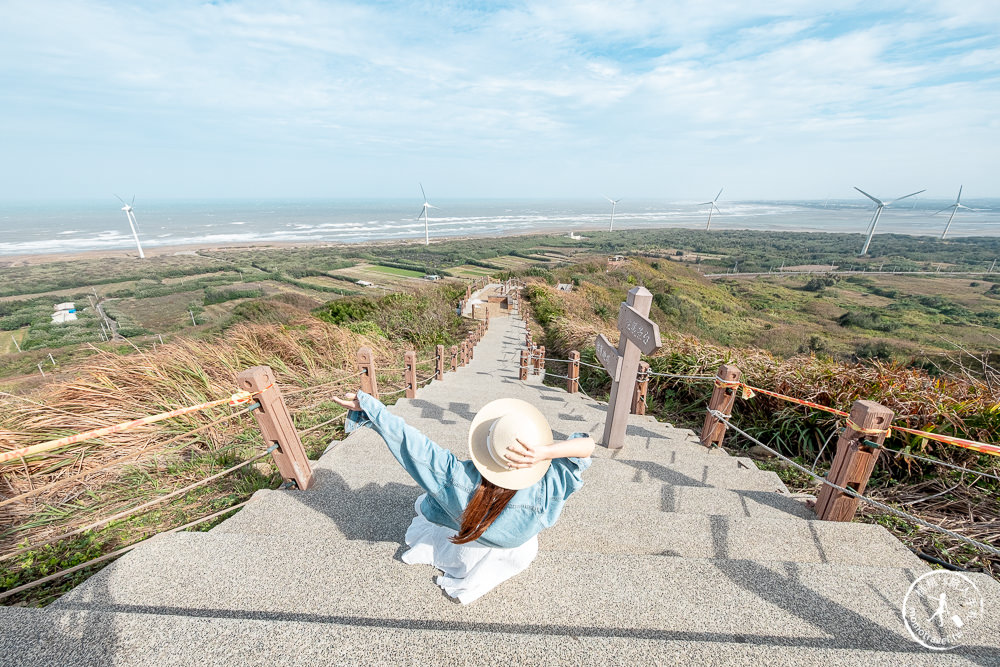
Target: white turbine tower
954, 209
879, 205
711, 208
127, 207
423, 214
614, 205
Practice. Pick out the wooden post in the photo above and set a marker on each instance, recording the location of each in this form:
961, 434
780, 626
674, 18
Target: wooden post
276, 426
523, 374
454, 357
639, 335
573, 383
366, 364
410, 373
713, 431
541, 358
465, 352
534, 360
641, 387
468, 292
854, 460
439, 362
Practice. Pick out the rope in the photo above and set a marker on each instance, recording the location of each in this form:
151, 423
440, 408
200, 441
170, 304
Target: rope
553, 375
236, 399
867, 431
391, 393
600, 368
681, 377
114, 554
159, 445
927, 459
124, 513
854, 494
317, 426
324, 384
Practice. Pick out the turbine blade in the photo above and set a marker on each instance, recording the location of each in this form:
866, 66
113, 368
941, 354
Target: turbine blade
958, 199
421, 214
718, 195
133, 201
944, 209
905, 196
432, 206
422, 192
705, 203
120, 199
874, 199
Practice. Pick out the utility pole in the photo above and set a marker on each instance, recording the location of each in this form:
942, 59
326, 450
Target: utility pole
52, 359
15, 343
992, 266
193, 323
40, 370
161, 338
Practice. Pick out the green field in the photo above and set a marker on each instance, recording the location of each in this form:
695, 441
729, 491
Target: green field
396, 272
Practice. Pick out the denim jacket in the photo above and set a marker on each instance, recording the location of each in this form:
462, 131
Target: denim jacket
450, 482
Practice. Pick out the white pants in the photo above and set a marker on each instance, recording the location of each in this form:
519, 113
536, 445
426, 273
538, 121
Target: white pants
470, 570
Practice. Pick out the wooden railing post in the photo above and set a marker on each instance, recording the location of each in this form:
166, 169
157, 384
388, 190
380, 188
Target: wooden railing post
465, 352
454, 357
641, 387
573, 383
276, 426
723, 397
366, 365
541, 358
854, 461
410, 373
439, 362
523, 374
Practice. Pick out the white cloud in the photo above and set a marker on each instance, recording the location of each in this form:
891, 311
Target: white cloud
546, 83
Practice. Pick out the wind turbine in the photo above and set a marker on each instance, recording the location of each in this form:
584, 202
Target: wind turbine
423, 214
954, 209
879, 205
127, 207
712, 207
614, 204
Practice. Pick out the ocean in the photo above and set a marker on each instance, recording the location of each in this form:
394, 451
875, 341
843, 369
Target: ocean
67, 227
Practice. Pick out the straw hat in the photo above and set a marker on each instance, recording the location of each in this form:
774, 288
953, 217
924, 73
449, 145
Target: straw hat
496, 427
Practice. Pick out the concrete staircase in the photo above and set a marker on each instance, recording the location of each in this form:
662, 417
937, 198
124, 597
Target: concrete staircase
670, 553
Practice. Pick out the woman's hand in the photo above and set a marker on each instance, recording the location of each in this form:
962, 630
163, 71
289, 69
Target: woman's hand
523, 455
349, 401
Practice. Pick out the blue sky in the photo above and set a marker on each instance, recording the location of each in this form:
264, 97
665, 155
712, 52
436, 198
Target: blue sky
542, 99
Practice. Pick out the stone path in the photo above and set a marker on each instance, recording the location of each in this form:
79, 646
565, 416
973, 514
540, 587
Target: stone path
670, 553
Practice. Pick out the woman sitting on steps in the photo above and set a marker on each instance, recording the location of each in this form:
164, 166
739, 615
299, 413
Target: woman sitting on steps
478, 521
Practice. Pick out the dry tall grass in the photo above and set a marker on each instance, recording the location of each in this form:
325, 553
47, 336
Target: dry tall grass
112, 388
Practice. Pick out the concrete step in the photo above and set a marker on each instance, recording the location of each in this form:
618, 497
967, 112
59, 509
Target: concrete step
350, 515
638, 596
51, 636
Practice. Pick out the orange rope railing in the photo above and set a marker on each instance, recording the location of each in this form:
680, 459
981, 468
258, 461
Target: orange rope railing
749, 392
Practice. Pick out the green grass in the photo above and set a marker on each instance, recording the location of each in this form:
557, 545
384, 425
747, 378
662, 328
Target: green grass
396, 272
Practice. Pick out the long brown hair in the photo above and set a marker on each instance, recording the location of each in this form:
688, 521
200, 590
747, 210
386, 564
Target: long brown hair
483, 509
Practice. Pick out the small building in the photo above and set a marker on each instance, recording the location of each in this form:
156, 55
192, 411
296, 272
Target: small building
64, 312
432, 276
565, 287
365, 283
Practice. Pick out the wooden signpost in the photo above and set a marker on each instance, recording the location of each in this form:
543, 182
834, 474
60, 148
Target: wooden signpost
607, 354
639, 335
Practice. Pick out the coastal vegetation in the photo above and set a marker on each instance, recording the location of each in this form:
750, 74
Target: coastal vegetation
186, 324
828, 354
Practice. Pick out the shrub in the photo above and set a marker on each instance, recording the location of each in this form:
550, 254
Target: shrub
880, 350
866, 320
